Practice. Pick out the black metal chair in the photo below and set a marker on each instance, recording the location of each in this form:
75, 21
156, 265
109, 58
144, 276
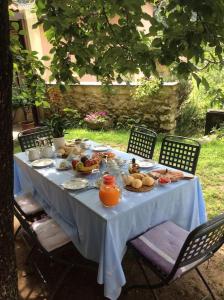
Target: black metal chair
142, 142
28, 138
170, 251
46, 238
180, 153
30, 209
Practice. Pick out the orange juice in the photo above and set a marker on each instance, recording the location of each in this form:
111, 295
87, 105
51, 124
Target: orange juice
109, 192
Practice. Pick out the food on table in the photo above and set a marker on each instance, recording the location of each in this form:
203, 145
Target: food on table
173, 175
84, 159
78, 141
146, 180
72, 143
108, 155
138, 175
61, 151
85, 164
62, 165
88, 162
74, 163
136, 183
164, 180
133, 168
127, 179
102, 155
81, 167
69, 150
97, 156
138, 180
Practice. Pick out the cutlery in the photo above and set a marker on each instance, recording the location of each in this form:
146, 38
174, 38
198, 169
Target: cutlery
84, 190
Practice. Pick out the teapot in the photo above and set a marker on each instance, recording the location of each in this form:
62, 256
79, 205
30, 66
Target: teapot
33, 153
46, 151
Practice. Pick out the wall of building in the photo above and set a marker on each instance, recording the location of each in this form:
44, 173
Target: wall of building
158, 112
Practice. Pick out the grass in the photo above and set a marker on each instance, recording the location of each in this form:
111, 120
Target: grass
210, 167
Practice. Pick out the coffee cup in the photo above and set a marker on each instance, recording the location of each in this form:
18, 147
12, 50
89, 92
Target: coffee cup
33, 153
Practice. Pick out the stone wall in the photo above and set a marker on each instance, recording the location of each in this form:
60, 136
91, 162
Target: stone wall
158, 112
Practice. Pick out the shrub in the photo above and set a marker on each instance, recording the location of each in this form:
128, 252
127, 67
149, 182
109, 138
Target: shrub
97, 120
192, 115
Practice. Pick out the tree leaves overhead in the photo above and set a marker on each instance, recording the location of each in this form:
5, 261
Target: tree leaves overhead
107, 38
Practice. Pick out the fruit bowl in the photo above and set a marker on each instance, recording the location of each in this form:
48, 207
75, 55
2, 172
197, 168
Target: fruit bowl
85, 165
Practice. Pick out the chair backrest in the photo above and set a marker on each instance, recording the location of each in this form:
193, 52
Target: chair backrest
27, 138
201, 243
21, 217
180, 153
142, 142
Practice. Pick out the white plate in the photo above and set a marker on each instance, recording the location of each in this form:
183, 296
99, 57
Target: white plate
101, 148
42, 163
146, 163
75, 184
63, 169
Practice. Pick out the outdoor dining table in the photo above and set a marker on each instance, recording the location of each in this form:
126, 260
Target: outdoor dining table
100, 233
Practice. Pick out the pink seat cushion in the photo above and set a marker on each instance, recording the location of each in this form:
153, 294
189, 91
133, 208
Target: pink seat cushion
161, 246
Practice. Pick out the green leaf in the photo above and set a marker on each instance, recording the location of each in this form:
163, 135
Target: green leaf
197, 79
45, 58
205, 83
22, 32
62, 87
11, 13
15, 25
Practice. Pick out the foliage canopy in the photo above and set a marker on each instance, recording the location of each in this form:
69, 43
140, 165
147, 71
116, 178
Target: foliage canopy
107, 38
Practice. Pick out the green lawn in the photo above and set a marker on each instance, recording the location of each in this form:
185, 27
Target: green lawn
210, 166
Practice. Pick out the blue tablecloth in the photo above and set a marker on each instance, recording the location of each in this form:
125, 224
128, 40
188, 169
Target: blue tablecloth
100, 233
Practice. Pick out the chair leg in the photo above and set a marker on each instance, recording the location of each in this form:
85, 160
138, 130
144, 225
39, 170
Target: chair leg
206, 284
59, 283
145, 286
17, 231
29, 255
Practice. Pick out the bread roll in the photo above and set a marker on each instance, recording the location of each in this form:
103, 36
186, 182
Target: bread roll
137, 175
127, 179
149, 181
68, 150
61, 151
136, 183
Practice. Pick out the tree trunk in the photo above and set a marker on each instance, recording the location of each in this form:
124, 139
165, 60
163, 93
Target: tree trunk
35, 115
8, 277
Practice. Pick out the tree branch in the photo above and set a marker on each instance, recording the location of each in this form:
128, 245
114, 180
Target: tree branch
111, 28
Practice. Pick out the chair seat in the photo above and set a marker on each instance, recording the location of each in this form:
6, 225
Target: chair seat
161, 246
28, 205
50, 234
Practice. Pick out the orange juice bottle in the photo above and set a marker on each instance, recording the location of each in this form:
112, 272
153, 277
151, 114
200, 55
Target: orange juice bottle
109, 192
